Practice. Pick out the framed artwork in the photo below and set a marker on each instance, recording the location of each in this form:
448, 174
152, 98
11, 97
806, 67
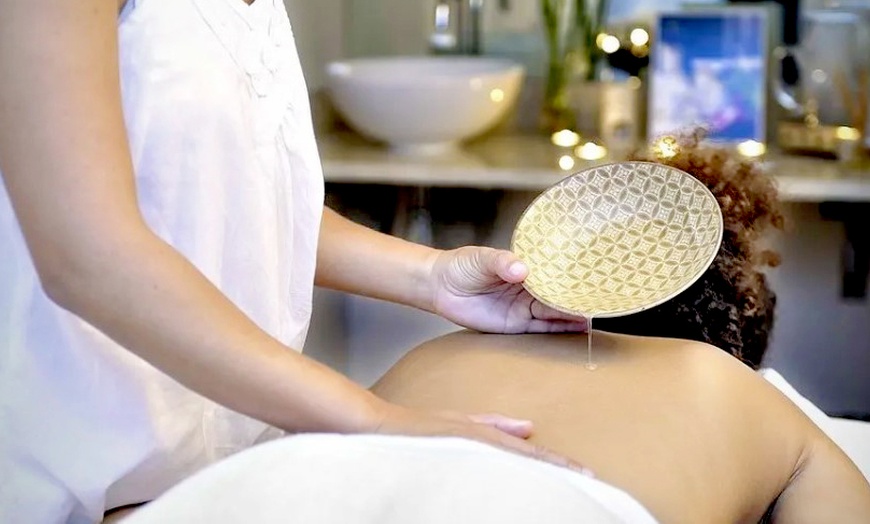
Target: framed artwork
709, 67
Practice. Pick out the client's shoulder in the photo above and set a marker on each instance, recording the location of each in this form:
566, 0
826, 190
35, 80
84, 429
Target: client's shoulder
707, 369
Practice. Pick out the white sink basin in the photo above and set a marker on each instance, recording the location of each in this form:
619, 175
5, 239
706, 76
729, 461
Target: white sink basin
423, 103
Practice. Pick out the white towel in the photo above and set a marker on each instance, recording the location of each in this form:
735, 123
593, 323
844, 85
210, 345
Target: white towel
330, 479
852, 436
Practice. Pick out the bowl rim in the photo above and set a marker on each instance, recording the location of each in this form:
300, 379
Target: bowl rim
502, 67
706, 266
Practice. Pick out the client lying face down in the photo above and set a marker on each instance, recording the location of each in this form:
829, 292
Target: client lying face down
731, 305
692, 433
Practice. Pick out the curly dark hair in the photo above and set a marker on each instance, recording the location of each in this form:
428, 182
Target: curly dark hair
731, 306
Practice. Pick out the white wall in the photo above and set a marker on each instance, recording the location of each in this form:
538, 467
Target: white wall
319, 30
387, 27
821, 341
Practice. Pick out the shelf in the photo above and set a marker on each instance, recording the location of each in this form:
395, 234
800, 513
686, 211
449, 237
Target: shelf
531, 163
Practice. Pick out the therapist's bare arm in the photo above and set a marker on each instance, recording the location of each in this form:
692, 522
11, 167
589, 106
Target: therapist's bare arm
67, 168
360, 260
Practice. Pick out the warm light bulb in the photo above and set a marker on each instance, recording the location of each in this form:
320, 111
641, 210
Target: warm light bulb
610, 44
565, 138
496, 95
639, 36
751, 148
566, 162
848, 133
666, 147
591, 151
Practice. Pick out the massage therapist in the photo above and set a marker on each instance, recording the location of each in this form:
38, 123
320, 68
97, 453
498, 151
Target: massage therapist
161, 230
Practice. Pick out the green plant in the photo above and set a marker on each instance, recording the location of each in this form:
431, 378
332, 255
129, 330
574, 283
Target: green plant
571, 29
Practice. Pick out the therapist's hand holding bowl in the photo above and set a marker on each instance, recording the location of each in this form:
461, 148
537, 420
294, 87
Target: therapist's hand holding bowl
481, 289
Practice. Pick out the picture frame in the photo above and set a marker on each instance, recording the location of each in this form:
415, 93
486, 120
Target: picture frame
710, 67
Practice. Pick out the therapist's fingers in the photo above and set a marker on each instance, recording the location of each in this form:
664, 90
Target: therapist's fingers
556, 326
512, 426
508, 266
535, 451
543, 312
495, 430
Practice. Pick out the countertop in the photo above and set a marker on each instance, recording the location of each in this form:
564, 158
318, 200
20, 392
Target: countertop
531, 163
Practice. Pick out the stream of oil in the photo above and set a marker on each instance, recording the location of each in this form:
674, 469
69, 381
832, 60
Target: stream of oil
590, 364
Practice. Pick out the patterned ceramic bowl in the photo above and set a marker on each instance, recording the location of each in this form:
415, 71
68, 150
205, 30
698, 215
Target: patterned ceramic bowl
617, 239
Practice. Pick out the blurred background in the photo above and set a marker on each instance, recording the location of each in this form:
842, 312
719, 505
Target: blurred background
592, 87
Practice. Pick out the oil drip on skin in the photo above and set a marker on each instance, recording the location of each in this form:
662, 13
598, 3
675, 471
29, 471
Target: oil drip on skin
590, 365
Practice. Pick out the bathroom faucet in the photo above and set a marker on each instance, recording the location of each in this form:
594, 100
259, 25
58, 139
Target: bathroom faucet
457, 27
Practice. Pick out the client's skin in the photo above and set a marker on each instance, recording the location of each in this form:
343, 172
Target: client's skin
692, 433
688, 429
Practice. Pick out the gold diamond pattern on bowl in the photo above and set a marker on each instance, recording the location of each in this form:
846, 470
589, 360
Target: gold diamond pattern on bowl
619, 238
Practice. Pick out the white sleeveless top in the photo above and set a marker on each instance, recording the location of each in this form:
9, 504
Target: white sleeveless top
227, 172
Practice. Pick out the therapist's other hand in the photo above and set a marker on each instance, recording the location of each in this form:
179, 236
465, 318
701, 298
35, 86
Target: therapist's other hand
481, 288
496, 430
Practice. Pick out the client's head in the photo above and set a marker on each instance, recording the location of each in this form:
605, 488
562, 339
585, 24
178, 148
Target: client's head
731, 305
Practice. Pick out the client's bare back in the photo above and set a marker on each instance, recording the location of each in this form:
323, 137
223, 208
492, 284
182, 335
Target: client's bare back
687, 429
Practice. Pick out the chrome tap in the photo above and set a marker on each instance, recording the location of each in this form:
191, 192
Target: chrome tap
457, 27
